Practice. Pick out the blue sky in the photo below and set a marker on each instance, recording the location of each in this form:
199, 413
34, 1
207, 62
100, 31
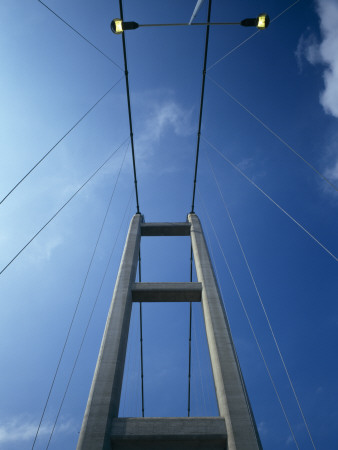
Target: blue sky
287, 76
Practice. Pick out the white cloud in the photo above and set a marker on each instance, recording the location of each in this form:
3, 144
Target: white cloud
324, 52
307, 49
332, 172
163, 114
21, 428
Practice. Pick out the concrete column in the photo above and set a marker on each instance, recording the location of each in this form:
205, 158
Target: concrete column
231, 395
104, 398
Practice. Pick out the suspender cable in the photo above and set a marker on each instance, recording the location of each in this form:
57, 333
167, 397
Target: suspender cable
141, 334
201, 106
190, 320
129, 110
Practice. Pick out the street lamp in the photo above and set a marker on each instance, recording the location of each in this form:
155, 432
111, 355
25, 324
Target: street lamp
261, 22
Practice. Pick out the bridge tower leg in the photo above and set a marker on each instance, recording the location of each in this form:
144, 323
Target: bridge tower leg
102, 429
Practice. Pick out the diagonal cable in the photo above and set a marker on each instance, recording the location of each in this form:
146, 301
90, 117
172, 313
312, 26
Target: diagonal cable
250, 37
63, 206
261, 301
93, 308
58, 142
249, 322
81, 35
273, 133
78, 304
129, 110
201, 107
271, 200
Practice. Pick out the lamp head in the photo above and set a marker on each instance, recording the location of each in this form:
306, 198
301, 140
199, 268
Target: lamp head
118, 26
261, 22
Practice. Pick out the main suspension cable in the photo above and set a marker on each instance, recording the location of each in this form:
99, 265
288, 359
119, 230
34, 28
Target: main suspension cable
81, 35
201, 106
273, 133
271, 200
251, 36
250, 325
129, 110
260, 300
62, 207
58, 142
78, 304
88, 323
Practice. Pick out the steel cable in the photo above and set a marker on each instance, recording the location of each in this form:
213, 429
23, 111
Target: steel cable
273, 133
271, 200
201, 107
62, 207
81, 35
129, 110
58, 142
250, 37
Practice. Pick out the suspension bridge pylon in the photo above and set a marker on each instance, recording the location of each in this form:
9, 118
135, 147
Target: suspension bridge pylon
102, 429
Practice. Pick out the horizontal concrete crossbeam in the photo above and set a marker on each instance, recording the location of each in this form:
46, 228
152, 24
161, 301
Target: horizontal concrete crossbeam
178, 433
166, 292
165, 229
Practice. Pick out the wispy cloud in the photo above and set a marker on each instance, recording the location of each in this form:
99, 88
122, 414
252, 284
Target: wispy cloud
324, 52
22, 429
332, 172
164, 115
307, 49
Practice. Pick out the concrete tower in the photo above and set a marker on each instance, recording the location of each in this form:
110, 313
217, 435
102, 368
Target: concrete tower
234, 428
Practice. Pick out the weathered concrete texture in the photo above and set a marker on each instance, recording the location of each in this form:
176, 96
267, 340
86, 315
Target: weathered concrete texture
179, 433
165, 229
232, 399
166, 292
104, 397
